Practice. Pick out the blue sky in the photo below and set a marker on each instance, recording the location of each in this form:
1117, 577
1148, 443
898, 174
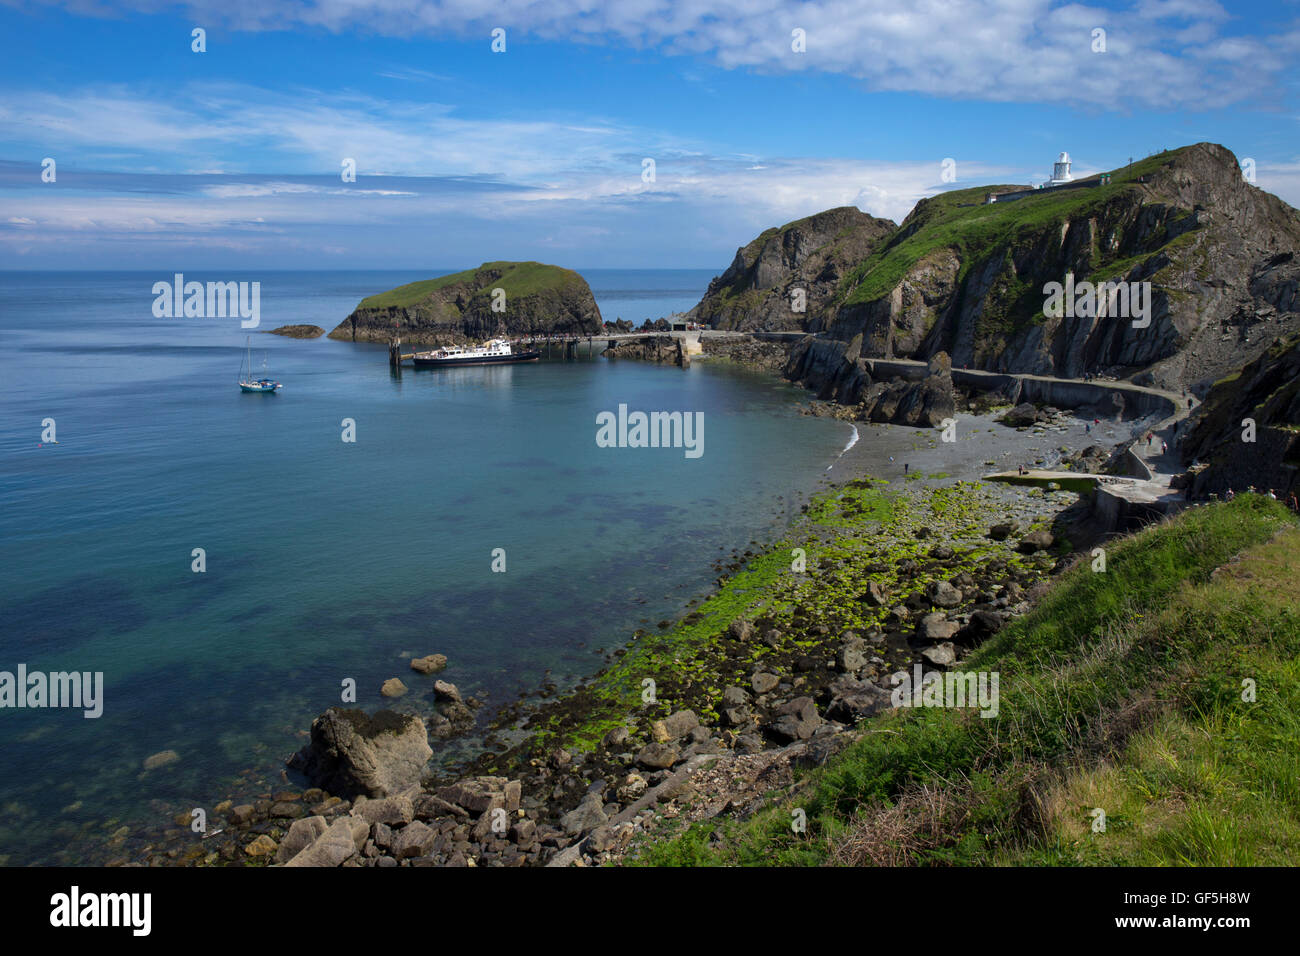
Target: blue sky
231, 158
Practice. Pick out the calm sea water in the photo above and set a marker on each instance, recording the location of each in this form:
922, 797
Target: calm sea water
327, 560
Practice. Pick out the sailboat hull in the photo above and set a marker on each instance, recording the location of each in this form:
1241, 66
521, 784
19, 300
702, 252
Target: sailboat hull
249, 384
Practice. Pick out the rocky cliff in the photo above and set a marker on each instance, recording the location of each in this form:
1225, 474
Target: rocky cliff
496, 299
758, 292
967, 277
1219, 436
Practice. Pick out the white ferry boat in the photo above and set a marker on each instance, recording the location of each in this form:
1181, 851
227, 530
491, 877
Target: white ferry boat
494, 352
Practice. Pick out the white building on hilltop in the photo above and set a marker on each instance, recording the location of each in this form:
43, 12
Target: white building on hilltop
1061, 171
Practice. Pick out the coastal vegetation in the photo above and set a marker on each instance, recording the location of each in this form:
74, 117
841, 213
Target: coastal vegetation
962, 221
779, 609
516, 278
1162, 692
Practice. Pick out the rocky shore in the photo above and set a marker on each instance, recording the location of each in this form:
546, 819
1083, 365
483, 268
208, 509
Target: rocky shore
774, 671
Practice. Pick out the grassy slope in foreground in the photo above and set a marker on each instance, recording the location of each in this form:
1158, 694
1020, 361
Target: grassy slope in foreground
517, 278
1121, 690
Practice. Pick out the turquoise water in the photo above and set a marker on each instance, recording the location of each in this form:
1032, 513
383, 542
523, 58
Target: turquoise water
327, 560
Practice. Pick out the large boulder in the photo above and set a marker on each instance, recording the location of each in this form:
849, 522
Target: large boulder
429, 664
302, 834
657, 756
674, 726
796, 720
935, 628
852, 700
943, 594
1036, 541
342, 841
982, 626
352, 753
1022, 416
941, 655
588, 815
480, 795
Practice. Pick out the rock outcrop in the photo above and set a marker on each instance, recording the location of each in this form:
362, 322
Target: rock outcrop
298, 331
1247, 432
496, 299
758, 292
352, 753
837, 372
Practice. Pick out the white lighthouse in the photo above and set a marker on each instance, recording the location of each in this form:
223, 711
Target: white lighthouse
1061, 171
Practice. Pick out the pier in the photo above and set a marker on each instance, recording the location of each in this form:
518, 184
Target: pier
567, 345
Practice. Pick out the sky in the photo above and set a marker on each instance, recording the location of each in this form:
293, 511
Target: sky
753, 113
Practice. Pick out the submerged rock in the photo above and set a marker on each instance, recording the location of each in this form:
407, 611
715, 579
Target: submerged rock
442, 690
161, 759
430, 664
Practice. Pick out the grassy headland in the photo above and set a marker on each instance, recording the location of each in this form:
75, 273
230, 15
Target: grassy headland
518, 279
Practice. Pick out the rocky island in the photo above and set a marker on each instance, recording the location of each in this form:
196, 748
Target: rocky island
496, 299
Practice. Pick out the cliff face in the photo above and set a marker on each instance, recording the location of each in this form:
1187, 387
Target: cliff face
813, 254
967, 277
838, 373
1266, 391
538, 299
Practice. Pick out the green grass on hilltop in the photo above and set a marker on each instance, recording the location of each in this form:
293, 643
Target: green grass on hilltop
1120, 691
517, 278
962, 221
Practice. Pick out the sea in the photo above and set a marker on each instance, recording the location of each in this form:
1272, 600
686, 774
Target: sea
229, 562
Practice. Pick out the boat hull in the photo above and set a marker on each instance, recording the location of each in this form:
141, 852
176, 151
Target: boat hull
457, 362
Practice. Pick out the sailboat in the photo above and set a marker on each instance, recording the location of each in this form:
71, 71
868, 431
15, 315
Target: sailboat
247, 383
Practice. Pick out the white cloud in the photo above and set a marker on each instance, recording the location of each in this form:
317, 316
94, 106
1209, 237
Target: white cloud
1160, 53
